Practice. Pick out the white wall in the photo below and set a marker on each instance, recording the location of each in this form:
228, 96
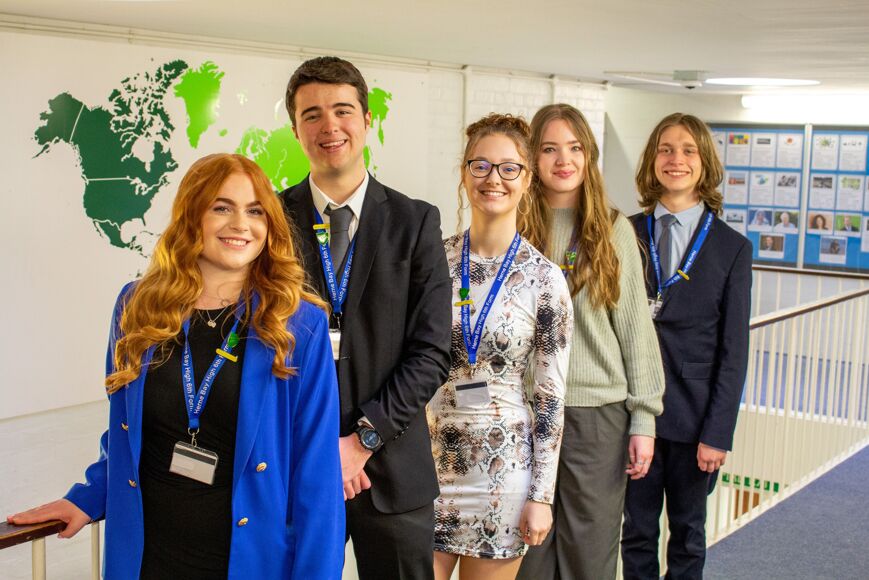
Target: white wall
61, 275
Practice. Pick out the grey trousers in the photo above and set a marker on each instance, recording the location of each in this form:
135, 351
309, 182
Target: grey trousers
589, 499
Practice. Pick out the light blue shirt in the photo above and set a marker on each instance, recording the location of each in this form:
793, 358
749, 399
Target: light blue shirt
681, 233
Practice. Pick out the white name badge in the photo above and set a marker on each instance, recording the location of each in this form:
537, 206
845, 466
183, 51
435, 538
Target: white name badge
335, 339
471, 393
194, 462
655, 307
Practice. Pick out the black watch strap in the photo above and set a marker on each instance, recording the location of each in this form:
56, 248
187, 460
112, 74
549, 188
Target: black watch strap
369, 437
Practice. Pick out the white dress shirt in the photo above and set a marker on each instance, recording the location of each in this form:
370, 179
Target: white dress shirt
354, 202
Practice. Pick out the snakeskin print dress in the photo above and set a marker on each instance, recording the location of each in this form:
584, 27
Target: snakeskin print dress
491, 458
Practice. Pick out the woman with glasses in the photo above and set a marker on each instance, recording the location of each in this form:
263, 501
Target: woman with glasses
496, 444
615, 381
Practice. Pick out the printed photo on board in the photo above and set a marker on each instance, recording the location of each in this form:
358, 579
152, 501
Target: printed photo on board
771, 246
833, 250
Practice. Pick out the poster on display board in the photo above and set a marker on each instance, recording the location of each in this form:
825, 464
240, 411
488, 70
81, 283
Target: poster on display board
837, 236
763, 174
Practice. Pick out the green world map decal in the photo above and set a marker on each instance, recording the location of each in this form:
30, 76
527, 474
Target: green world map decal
124, 150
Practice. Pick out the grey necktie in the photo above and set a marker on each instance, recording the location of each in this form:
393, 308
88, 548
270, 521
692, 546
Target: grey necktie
339, 235
665, 245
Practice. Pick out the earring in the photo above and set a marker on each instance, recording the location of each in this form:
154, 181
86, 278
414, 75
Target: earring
524, 202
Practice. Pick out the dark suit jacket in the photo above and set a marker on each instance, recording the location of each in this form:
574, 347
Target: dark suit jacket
703, 331
395, 342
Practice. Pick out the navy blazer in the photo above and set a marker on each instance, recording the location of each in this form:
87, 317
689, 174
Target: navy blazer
396, 329
287, 504
703, 331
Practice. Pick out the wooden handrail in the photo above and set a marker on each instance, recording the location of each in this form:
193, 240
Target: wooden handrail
785, 313
12, 535
810, 272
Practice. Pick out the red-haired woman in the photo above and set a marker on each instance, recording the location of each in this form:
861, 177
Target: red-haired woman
221, 456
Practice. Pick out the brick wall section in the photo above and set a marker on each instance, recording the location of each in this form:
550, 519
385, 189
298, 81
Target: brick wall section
444, 143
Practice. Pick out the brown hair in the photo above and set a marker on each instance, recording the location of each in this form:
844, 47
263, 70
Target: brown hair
712, 171
329, 70
597, 265
495, 124
165, 296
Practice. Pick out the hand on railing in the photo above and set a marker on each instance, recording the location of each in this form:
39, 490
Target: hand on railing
61, 509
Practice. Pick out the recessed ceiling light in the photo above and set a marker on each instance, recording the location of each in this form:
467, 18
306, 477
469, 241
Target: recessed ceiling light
761, 82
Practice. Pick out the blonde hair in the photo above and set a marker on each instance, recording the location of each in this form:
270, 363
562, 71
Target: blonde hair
515, 128
712, 172
157, 305
597, 265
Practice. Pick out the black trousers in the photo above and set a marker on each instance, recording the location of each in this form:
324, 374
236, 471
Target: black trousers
673, 473
391, 546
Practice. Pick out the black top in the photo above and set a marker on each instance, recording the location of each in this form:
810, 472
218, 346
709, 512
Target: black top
188, 524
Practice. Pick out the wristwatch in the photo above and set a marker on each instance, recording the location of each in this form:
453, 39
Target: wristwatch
369, 437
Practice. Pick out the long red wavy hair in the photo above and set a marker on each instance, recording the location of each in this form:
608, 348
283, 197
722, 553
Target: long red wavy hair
157, 305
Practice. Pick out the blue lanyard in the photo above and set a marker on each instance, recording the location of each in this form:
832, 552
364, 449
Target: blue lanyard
472, 339
195, 400
337, 291
692, 255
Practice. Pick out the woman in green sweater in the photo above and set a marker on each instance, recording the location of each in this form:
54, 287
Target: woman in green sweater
615, 382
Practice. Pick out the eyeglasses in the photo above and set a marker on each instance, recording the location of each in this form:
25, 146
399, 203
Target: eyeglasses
507, 170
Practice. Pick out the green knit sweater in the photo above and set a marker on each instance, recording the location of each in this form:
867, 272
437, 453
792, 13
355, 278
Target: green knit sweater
615, 354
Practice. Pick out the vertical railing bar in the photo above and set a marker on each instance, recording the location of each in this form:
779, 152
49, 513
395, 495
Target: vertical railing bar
842, 435
37, 558
788, 399
747, 463
836, 377
820, 380
837, 367
95, 551
777, 418
809, 392
854, 373
799, 394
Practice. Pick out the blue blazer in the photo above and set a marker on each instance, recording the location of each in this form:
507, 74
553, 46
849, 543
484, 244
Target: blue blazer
703, 332
288, 515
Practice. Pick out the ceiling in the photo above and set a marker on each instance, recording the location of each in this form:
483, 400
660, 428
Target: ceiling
826, 41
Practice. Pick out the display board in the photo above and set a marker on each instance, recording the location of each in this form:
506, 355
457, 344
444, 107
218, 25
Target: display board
838, 200
763, 175
799, 193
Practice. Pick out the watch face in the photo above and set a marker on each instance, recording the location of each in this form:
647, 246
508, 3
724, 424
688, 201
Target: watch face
370, 438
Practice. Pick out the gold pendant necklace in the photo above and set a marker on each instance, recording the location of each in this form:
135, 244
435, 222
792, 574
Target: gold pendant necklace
212, 322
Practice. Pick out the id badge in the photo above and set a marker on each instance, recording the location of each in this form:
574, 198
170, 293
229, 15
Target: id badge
472, 393
655, 307
335, 339
194, 462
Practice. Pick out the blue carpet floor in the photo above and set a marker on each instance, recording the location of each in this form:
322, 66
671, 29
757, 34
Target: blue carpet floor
820, 533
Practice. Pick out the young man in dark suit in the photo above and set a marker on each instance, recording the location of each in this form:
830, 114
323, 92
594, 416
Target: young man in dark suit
699, 286
377, 257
